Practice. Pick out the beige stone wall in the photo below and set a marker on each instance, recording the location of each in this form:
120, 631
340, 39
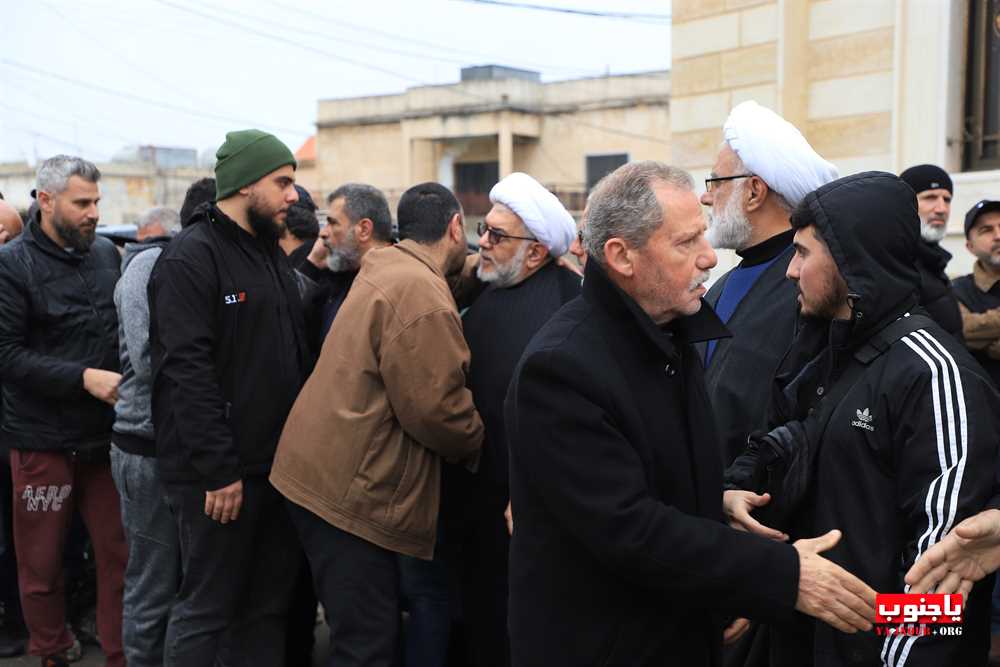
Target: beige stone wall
363, 153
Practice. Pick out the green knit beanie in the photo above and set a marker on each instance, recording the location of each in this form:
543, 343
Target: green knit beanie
245, 158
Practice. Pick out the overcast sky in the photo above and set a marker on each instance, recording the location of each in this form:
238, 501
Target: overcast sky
92, 76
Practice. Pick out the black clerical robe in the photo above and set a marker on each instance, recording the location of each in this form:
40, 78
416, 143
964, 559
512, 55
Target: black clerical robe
738, 375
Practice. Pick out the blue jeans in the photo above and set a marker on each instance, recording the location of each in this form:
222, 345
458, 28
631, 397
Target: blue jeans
424, 592
154, 558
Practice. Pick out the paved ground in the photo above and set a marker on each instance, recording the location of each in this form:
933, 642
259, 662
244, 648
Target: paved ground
94, 658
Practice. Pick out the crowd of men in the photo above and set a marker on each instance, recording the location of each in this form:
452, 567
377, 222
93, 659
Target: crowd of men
472, 455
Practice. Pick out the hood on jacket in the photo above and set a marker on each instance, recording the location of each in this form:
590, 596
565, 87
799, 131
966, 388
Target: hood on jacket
133, 249
870, 224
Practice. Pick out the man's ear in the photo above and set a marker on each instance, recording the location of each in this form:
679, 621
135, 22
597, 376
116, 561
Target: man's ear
457, 229
968, 245
537, 255
363, 230
46, 201
618, 257
756, 193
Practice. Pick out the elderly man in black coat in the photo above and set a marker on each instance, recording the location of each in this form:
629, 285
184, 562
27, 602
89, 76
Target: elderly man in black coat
619, 554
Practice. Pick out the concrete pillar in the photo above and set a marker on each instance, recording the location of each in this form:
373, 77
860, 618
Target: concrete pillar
505, 145
793, 58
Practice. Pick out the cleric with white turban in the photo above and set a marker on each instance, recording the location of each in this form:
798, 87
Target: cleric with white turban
775, 150
543, 214
764, 168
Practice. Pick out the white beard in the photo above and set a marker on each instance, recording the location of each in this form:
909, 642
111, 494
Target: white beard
731, 228
506, 275
931, 233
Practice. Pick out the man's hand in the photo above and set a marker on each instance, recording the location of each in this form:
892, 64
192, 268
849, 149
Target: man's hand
736, 629
738, 505
223, 505
507, 514
319, 253
829, 592
4, 235
967, 554
102, 384
569, 264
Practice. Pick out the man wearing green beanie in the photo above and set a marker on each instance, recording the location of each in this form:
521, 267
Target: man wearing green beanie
229, 355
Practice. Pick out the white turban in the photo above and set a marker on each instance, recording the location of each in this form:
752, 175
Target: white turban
775, 150
540, 210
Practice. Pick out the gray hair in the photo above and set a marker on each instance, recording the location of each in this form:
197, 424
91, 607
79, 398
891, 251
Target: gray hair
54, 174
779, 198
624, 205
366, 201
166, 217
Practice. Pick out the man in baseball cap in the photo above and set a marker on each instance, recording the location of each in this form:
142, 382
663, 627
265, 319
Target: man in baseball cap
979, 293
229, 355
934, 191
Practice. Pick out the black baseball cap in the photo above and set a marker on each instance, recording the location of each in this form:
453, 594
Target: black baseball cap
982, 206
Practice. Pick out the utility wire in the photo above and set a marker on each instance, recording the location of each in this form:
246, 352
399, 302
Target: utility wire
568, 10
227, 120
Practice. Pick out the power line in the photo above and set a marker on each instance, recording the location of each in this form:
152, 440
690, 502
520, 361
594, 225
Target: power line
285, 41
568, 10
402, 38
226, 120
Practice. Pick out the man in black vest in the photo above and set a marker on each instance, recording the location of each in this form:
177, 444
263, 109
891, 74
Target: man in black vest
978, 293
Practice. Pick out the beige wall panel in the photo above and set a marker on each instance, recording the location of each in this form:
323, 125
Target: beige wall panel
851, 135
696, 149
851, 96
851, 54
852, 165
699, 112
745, 4
718, 33
759, 25
766, 95
697, 75
753, 65
682, 11
476, 149
841, 17
366, 153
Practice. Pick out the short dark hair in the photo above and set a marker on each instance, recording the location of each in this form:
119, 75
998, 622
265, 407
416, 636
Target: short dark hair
365, 201
200, 192
424, 212
301, 219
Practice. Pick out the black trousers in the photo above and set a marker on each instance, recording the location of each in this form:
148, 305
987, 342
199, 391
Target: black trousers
484, 567
358, 584
10, 596
236, 580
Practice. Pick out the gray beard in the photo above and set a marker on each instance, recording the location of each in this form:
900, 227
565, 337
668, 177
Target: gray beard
932, 234
730, 229
346, 257
505, 276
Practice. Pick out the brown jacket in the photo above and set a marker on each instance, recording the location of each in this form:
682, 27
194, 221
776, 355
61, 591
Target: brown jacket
363, 444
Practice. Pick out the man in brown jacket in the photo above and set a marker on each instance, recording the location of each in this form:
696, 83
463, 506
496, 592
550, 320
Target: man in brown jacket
360, 456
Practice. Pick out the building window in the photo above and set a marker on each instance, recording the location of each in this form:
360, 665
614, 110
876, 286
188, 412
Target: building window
982, 96
599, 166
473, 181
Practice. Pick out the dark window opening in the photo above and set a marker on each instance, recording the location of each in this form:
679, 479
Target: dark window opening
982, 90
473, 181
599, 166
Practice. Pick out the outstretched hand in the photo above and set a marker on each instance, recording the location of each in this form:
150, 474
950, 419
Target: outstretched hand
739, 504
969, 553
829, 592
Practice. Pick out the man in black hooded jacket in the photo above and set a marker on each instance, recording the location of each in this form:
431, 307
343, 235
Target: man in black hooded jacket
890, 425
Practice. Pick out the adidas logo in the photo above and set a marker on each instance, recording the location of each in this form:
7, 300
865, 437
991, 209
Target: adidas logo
864, 420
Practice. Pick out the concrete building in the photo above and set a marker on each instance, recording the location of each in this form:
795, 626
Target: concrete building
496, 120
127, 189
873, 84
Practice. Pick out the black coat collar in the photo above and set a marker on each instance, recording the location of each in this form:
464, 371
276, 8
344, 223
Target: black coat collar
703, 325
767, 250
34, 233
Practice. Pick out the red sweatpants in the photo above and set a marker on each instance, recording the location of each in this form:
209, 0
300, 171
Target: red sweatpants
47, 487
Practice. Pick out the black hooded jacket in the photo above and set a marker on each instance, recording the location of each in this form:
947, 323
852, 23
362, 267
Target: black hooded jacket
57, 318
936, 295
895, 420
228, 348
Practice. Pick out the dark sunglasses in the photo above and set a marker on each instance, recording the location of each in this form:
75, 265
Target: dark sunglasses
715, 179
496, 235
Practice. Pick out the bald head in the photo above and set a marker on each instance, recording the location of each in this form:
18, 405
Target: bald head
10, 222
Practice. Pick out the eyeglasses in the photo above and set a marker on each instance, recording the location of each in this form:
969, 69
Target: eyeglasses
496, 235
714, 179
